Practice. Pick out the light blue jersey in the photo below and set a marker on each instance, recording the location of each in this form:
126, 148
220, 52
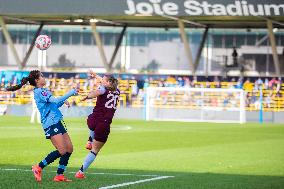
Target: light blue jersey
48, 105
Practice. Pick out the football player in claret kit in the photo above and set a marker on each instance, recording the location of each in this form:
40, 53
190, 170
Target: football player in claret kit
99, 121
51, 119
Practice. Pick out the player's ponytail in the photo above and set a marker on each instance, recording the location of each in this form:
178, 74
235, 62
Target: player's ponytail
17, 87
113, 83
33, 75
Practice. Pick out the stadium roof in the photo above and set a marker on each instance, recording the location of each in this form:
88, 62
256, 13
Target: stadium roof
146, 13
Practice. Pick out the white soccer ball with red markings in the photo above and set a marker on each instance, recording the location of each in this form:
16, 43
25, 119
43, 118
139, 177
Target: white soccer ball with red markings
43, 42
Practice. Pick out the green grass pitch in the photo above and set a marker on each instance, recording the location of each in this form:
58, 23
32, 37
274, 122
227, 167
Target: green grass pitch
138, 155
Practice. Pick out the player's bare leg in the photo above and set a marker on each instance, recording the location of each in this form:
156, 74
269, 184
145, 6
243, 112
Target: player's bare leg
90, 140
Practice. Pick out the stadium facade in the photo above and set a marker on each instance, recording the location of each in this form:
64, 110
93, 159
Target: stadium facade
143, 47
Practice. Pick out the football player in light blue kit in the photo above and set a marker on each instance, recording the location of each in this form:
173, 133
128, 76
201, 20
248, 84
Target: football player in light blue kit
51, 119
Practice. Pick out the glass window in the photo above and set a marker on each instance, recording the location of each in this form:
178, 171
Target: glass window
109, 38
217, 41
229, 41
132, 39
87, 38
45, 32
163, 37
240, 40
65, 38
281, 39
260, 37
54, 37
14, 36
116, 37
174, 36
31, 35
251, 39
23, 36
76, 38
152, 37
278, 40
189, 37
196, 38
141, 39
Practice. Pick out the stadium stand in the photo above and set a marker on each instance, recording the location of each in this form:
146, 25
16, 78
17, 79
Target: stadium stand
133, 90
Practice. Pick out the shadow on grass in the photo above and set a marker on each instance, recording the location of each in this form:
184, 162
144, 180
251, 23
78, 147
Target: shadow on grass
23, 178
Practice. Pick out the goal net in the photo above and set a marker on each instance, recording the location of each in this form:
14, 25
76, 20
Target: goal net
195, 104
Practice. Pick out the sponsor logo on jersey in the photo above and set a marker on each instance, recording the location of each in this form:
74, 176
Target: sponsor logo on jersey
44, 93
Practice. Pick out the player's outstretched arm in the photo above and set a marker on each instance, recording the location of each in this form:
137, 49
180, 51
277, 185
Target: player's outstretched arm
61, 99
91, 95
63, 102
94, 94
60, 104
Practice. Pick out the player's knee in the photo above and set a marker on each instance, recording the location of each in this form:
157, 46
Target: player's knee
70, 149
96, 149
62, 151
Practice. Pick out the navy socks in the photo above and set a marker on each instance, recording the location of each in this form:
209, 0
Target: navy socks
49, 159
63, 162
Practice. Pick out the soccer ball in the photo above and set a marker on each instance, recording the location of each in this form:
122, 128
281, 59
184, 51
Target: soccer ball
43, 42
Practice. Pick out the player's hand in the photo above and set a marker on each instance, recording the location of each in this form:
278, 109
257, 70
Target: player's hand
92, 74
74, 86
78, 90
67, 104
97, 83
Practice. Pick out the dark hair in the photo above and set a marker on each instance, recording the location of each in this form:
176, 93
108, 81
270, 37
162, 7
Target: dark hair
113, 82
33, 75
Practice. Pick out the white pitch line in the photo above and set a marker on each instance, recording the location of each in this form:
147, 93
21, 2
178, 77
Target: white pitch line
135, 182
116, 128
115, 174
121, 174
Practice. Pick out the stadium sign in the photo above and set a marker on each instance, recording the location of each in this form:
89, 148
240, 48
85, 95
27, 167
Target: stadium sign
205, 8
143, 7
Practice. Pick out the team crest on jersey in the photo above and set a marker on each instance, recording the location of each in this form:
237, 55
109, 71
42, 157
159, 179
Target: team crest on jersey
44, 93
